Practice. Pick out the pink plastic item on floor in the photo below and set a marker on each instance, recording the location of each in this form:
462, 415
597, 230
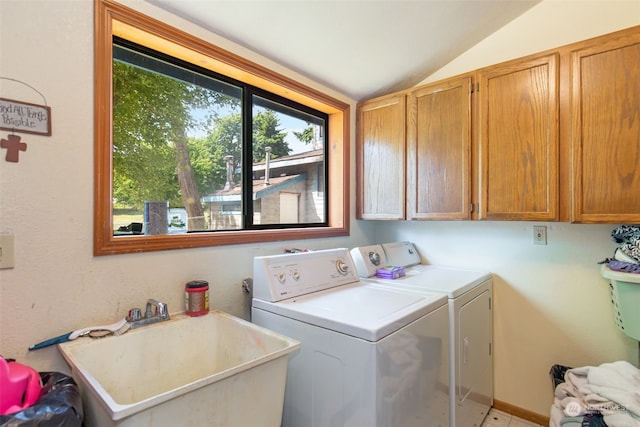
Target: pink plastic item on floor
20, 386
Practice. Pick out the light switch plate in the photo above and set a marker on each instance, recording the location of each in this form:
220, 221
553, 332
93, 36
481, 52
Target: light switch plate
7, 251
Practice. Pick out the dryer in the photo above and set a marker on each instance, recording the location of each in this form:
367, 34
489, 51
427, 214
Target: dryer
469, 294
369, 356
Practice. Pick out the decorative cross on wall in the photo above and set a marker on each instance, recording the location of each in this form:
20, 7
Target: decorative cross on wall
13, 146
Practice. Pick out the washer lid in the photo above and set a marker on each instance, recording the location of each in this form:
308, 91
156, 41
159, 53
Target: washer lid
448, 280
360, 310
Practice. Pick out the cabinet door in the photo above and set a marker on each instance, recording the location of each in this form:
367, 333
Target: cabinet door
380, 155
605, 116
518, 132
439, 150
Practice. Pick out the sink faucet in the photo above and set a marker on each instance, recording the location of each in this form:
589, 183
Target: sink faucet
160, 309
155, 312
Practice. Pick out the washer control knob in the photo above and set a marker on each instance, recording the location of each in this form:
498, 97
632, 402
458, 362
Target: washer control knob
295, 274
342, 267
281, 277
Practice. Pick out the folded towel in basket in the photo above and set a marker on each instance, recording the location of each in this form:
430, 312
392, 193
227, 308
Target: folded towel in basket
625, 233
628, 236
613, 389
625, 267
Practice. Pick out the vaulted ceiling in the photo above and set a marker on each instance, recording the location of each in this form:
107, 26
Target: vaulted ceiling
360, 48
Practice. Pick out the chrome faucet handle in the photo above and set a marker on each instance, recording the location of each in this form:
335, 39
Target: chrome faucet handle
135, 314
160, 308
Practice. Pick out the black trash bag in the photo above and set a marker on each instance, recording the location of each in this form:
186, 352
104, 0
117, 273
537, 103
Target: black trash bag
59, 405
557, 374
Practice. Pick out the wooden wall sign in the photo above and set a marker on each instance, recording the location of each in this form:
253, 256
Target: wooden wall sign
17, 116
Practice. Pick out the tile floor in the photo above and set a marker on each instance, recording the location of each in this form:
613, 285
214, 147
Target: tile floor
497, 418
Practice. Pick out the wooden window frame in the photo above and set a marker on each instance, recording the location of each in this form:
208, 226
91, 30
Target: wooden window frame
111, 19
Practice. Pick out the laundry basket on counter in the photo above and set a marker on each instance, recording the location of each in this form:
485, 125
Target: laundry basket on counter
625, 297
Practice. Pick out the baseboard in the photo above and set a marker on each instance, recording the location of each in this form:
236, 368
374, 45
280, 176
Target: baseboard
520, 413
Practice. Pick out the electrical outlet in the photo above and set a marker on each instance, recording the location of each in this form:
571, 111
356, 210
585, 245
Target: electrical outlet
7, 251
539, 234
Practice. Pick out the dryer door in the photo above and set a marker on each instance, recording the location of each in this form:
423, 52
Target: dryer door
474, 364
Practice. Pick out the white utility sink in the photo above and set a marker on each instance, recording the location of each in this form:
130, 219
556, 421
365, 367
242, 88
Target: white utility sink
213, 370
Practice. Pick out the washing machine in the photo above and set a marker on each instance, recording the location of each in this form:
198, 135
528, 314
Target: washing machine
369, 355
469, 294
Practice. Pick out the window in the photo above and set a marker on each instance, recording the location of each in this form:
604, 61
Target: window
198, 147
199, 141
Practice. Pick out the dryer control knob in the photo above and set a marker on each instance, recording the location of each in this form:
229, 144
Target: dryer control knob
374, 257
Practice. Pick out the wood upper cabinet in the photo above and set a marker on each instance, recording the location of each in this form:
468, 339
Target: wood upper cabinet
517, 131
605, 125
380, 158
548, 137
439, 150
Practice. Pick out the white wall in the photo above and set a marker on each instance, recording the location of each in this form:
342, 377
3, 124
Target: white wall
46, 199
550, 24
551, 304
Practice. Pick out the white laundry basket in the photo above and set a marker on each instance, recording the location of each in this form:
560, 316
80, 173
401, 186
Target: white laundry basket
625, 297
